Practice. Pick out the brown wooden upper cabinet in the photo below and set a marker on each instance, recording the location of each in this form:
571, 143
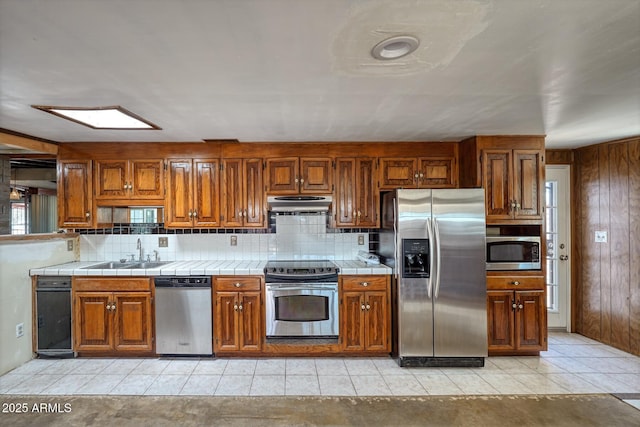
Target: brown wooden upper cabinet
422, 172
512, 180
129, 179
75, 193
299, 175
243, 195
357, 202
193, 193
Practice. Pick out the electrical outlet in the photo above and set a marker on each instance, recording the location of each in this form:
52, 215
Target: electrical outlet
601, 237
360, 239
19, 330
234, 240
163, 242
69, 245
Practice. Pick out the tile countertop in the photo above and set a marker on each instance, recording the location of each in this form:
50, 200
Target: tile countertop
193, 268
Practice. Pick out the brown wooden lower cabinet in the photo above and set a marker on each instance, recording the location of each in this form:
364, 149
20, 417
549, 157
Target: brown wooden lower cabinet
238, 324
112, 315
517, 321
365, 318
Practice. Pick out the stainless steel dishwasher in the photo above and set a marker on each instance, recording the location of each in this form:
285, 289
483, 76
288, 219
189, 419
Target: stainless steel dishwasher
183, 316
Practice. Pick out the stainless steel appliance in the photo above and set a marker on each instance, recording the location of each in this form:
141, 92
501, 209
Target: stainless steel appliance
184, 315
53, 313
299, 203
301, 299
513, 253
435, 242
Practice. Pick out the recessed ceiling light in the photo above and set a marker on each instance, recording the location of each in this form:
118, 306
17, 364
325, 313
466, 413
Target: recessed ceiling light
114, 117
395, 47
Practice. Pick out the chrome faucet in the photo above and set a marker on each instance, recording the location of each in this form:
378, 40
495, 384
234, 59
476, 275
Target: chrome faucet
139, 247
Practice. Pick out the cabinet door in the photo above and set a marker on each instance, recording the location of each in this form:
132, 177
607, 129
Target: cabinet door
367, 199
250, 324
75, 193
92, 321
111, 179
500, 317
132, 321
283, 176
206, 193
179, 195
527, 176
497, 181
254, 215
397, 173
376, 321
226, 322
232, 212
530, 320
346, 192
315, 175
438, 172
352, 323
147, 179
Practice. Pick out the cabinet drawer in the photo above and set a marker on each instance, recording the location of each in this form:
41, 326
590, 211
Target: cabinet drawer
240, 283
111, 284
364, 283
515, 282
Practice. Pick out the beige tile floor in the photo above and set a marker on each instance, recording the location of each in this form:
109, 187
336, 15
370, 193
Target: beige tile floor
573, 365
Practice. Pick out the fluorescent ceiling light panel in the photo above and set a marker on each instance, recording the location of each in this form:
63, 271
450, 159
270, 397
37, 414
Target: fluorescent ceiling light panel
114, 117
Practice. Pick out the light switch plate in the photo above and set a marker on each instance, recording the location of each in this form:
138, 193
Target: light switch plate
163, 242
69, 245
361, 239
601, 237
234, 240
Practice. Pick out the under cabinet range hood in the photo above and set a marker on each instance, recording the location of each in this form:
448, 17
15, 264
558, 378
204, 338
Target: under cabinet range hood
299, 203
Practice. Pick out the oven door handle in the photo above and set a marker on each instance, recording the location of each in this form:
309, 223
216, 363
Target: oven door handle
302, 287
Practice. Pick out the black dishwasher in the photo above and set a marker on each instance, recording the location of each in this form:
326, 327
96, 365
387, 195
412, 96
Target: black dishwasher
53, 313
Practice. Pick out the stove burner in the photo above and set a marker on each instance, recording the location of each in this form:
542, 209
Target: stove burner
300, 269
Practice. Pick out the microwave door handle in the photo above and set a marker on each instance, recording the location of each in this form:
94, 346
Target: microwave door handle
432, 270
436, 233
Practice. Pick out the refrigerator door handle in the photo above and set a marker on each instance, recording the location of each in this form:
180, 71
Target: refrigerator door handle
395, 239
431, 254
436, 233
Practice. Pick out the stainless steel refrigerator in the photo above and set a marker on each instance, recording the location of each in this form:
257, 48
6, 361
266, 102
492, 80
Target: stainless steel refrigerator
435, 242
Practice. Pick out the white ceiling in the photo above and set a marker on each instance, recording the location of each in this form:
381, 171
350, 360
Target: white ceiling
300, 70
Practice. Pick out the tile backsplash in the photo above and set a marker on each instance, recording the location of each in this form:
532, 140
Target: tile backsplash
295, 237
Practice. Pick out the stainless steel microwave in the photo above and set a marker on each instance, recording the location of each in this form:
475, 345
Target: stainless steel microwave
513, 253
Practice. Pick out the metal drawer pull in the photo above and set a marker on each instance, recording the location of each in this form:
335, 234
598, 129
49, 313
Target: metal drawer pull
237, 285
515, 282
365, 284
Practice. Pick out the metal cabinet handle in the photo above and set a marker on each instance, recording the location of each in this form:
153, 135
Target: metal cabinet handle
301, 180
195, 214
297, 180
515, 283
514, 305
190, 214
240, 307
87, 214
235, 307
520, 306
368, 307
362, 307
237, 285
365, 284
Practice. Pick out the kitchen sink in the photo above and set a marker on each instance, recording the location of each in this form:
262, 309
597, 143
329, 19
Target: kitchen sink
149, 264
112, 265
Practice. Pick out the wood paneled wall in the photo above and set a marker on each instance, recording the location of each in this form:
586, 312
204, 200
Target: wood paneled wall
607, 188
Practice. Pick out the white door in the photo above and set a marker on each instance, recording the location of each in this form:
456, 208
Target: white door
558, 224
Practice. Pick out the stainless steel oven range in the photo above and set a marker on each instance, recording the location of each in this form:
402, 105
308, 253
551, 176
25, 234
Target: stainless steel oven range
301, 299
